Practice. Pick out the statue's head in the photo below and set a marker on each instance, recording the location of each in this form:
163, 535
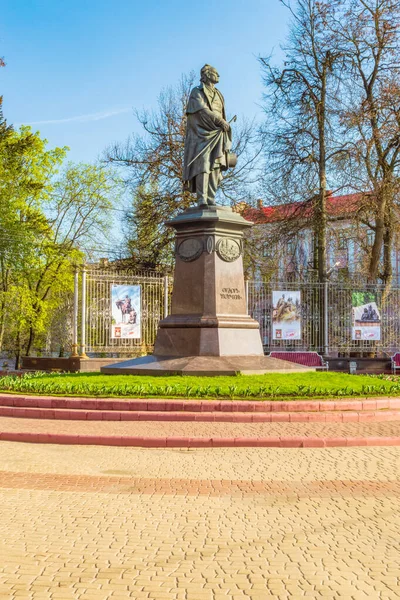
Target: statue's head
209, 74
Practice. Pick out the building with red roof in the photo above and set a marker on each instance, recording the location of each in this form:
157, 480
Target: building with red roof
282, 243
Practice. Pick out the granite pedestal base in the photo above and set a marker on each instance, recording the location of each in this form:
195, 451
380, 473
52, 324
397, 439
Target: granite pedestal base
208, 331
208, 312
203, 365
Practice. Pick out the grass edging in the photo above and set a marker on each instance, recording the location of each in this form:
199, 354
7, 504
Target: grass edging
272, 387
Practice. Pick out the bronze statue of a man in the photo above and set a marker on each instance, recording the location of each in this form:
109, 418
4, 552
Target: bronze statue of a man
208, 139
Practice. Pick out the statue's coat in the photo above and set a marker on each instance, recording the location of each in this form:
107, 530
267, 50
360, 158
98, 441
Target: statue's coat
202, 130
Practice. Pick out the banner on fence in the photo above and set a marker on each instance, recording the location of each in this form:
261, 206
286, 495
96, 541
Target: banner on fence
286, 315
126, 312
366, 318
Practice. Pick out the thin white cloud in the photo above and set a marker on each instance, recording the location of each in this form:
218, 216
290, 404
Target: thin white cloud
105, 114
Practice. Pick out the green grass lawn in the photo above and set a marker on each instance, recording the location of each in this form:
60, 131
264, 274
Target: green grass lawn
257, 387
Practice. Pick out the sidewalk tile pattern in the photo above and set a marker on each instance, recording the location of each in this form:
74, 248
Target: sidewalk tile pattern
97, 523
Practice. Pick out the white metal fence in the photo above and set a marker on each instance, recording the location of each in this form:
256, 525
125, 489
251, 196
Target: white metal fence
326, 314
96, 310
326, 317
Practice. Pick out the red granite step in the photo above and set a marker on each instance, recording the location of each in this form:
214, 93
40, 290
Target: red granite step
76, 414
186, 405
200, 423
200, 435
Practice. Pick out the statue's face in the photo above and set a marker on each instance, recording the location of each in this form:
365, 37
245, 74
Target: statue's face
212, 75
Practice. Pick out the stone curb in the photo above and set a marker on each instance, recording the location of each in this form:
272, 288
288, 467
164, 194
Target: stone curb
190, 442
75, 414
92, 404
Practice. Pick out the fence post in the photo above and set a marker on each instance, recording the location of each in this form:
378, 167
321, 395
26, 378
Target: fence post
166, 289
326, 324
75, 314
83, 312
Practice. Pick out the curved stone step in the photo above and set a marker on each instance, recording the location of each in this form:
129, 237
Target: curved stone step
186, 405
141, 442
200, 435
78, 414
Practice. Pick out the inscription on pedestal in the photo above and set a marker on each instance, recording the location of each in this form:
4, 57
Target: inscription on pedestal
190, 249
228, 249
230, 294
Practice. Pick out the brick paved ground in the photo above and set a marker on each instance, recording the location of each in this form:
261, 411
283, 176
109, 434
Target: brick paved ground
115, 523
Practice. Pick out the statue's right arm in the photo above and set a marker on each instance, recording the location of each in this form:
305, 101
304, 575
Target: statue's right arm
215, 119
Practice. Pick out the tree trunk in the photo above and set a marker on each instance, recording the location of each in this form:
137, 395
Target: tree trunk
376, 251
315, 252
18, 349
387, 259
321, 236
4, 289
30, 341
2, 322
387, 254
321, 217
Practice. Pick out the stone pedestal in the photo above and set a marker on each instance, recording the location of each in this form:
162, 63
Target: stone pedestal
208, 331
208, 313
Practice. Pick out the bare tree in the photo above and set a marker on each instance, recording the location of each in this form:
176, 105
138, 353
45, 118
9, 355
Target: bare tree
369, 33
301, 107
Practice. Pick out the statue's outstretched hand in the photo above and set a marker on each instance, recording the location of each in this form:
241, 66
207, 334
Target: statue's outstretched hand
222, 124
225, 126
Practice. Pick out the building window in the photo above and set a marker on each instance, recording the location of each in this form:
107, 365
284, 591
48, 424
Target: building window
370, 238
342, 241
291, 247
266, 251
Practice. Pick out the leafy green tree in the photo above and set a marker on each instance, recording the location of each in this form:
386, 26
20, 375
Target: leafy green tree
26, 169
78, 215
47, 221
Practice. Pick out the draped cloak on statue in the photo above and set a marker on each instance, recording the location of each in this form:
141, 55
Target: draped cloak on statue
202, 131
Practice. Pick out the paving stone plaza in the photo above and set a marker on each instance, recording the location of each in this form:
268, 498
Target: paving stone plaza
97, 523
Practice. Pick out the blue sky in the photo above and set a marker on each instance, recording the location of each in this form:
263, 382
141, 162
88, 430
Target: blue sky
78, 68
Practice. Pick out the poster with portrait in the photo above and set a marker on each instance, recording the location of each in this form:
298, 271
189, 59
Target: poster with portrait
286, 315
366, 318
126, 309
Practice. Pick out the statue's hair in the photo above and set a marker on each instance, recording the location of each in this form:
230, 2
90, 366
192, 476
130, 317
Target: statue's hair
204, 71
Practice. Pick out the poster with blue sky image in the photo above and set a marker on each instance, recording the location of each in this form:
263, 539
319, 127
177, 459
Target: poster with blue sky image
126, 312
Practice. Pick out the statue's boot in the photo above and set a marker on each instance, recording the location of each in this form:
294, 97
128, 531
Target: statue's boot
206, 187
202, 189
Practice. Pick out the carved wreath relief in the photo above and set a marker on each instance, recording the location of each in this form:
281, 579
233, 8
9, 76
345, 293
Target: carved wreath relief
190, 249
228, 249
